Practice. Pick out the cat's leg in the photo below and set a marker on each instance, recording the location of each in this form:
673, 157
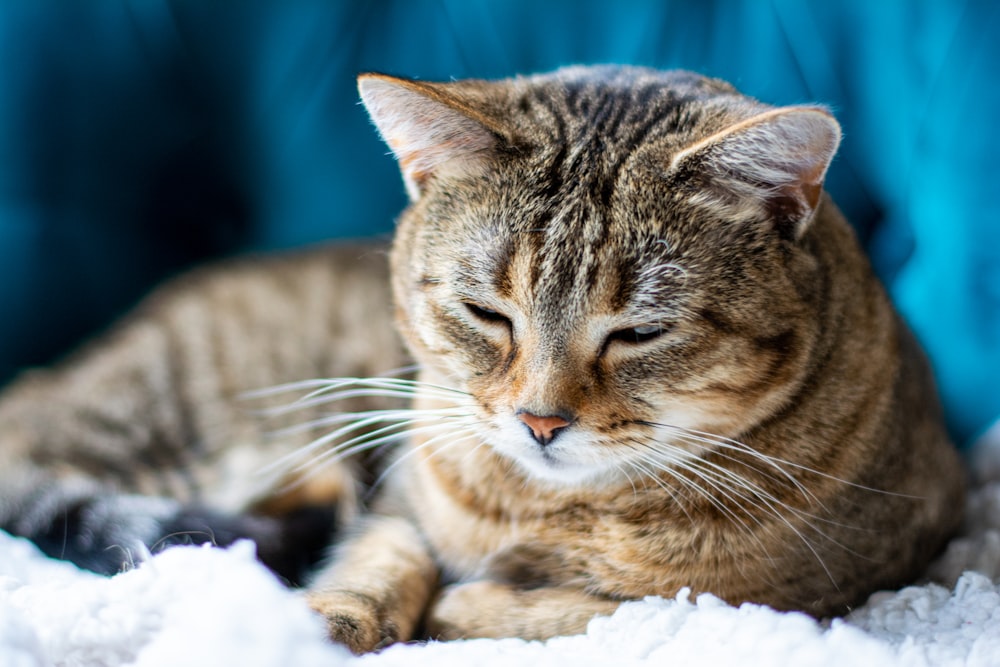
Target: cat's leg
376, 588
491, 609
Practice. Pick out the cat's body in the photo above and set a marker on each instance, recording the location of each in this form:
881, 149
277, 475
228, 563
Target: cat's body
651, 356
157, 408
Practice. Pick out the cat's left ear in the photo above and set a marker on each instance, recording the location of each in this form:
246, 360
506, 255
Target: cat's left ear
431, 132
773, 163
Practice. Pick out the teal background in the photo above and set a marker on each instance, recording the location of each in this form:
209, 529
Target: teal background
140, 137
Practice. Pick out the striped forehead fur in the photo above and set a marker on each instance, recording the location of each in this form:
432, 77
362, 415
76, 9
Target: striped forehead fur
581, 127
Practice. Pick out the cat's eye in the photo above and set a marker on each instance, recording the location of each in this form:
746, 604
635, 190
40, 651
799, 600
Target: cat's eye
639, 334
485, 314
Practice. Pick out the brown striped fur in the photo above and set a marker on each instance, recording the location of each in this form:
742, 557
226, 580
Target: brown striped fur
641, 269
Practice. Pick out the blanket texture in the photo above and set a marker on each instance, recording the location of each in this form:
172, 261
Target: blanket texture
204, 606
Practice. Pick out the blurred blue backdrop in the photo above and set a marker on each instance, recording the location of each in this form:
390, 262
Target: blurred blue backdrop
138, 137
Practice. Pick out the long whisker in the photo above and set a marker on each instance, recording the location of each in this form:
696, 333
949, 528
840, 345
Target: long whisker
392, 433
737, 490
395, 374
710, 497
349, 425
758, 497
320, 386
470, 433
624, 469
713, 441
369, 417
755, 491
342, 391
650, 474
354, 422
723, 491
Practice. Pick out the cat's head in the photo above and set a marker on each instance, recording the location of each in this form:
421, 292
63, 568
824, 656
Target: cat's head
604, 257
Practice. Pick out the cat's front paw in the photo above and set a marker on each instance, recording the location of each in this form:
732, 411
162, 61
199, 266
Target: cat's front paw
466, 610
354, 620
492, 609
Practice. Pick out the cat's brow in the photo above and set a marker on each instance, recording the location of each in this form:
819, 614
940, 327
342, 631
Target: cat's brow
656, 289
486, 260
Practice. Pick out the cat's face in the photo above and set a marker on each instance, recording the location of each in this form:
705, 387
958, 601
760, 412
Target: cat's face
577, 260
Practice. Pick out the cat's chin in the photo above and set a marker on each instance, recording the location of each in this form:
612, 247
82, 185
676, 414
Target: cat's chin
559, 474
570, 462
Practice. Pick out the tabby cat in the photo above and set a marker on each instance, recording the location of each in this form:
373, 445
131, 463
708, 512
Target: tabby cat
650, 354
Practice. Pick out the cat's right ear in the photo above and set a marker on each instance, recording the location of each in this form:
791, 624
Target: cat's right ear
431, 133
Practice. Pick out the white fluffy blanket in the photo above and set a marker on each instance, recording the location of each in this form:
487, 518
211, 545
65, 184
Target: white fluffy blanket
202, 606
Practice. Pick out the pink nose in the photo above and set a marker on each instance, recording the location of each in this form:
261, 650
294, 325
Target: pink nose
543, 429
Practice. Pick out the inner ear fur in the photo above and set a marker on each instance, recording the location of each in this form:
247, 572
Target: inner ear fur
431, 131
777, 159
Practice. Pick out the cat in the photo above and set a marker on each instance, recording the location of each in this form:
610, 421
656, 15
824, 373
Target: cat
649, 354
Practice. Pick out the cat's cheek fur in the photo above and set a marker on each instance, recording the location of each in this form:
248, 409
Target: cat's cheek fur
441, 340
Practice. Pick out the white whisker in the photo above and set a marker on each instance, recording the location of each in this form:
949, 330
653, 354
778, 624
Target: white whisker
624, 469
723, 483
715, 500
651, 475
388, 434
368, 417
430, 443
356, 422
346, 390
714, 443
356, 432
